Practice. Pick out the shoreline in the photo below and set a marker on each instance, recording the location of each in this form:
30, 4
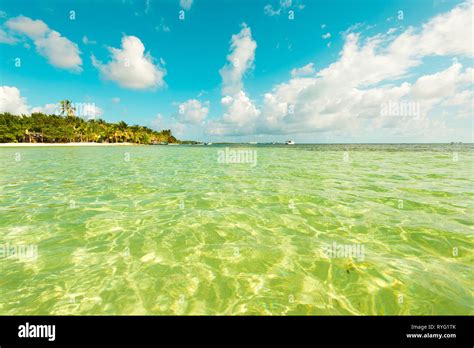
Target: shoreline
65, 144
89, 144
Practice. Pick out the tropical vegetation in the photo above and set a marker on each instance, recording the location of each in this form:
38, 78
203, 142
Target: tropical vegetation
39, 127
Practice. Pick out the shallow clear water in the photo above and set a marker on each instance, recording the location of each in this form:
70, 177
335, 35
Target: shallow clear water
170, 230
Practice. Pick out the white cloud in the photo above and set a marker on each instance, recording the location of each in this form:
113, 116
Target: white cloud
269, 11
240, 60
131, 67
6, 38
346, 97
91, 111
463, 102
11, 101
116, 100
308, 69
284, 4
450, 87
157, 122
326, 36
240, 112
440, 84
193, 111
58, 50
185, 4
27, 26
449, 33
86, 110
160, 122
48, 109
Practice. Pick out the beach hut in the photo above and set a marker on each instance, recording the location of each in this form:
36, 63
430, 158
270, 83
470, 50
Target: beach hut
33, 137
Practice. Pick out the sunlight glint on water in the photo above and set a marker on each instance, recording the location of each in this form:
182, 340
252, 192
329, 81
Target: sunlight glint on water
172, 231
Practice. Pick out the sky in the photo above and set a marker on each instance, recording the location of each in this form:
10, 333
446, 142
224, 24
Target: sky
335, 71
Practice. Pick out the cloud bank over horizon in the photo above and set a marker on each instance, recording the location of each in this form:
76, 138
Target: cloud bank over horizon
348, 95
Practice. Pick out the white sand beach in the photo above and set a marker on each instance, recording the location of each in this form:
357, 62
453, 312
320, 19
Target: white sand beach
63, 144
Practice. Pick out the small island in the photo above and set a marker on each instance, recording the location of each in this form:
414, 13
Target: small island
69, 128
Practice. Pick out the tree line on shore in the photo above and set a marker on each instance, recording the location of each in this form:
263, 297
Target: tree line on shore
39, 127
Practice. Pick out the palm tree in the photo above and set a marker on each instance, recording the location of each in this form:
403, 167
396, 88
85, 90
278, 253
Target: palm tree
54, 128
135, 133
122, 125
67, 108
123, 131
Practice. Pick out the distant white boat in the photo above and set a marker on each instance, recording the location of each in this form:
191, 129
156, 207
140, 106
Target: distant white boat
290, 142
208, 143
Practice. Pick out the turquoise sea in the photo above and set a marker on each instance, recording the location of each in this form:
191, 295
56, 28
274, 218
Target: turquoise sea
301, 230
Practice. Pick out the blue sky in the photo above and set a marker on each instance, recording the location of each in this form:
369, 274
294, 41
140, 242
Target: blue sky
179, 80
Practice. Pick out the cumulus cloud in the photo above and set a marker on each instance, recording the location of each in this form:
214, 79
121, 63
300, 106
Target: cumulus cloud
240, 111
449, 33
48, 109
240, 60
131, 67
27, 26
441, 84
186, 4
57, 49
187, 122
11, 101
88, 111
193, 111
346, 97
6, 38
308, 69
326, 36
449, 87
160, 122
190, 122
